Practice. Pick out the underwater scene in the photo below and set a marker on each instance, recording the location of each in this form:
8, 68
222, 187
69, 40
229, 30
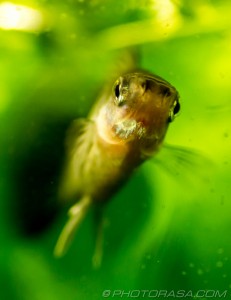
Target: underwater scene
115, 149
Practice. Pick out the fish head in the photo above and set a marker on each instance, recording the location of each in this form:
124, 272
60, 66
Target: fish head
140, 108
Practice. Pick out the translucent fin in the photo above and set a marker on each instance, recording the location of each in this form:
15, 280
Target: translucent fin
184, 161
76, 214
77, 134
79, 141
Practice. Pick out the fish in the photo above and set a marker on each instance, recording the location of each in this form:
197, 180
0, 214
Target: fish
126, 126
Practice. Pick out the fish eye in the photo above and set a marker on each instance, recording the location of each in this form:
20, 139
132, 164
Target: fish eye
117, 90
176, 108
120, 94
174, 111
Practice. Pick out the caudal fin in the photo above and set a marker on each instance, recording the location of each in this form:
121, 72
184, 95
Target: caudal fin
76, 214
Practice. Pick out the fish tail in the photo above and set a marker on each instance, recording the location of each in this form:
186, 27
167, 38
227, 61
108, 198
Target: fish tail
76, 214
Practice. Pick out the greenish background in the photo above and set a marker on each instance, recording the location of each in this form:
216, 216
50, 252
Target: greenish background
169, 227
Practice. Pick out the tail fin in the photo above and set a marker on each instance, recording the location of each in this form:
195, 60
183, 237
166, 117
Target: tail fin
76, 214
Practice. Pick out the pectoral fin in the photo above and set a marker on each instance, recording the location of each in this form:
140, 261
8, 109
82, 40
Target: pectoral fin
191, 164
76, 214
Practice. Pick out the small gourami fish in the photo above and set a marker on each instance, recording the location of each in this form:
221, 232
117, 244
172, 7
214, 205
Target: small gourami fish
126, 126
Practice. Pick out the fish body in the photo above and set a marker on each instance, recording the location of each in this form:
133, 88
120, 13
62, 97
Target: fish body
126, 126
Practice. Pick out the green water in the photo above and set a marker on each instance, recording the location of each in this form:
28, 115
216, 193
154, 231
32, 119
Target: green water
168, 229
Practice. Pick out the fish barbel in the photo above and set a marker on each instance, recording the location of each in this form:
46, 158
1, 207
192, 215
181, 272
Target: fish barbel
126, 126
